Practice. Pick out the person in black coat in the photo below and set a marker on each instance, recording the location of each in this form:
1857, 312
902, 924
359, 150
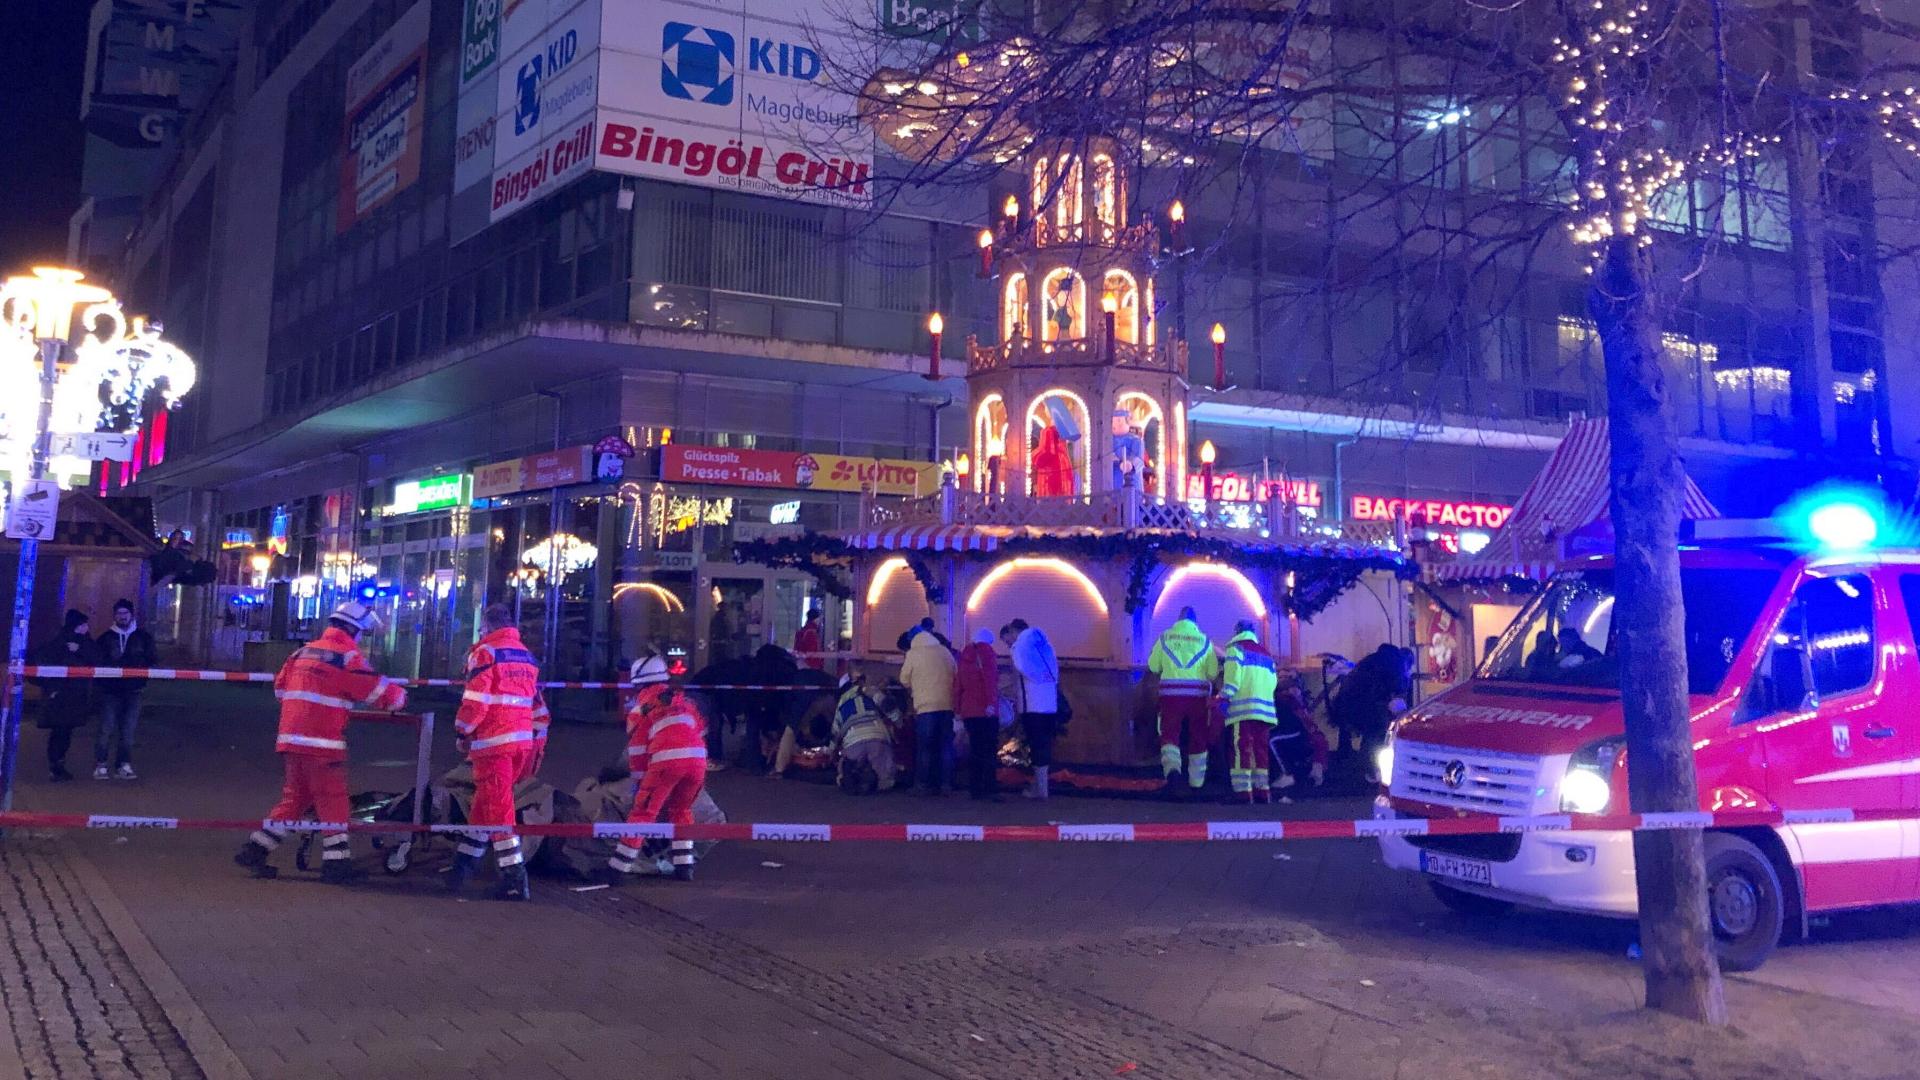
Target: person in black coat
124, 644
64, 702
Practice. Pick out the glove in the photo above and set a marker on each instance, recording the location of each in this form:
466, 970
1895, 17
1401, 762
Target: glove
463, 744
1398, 705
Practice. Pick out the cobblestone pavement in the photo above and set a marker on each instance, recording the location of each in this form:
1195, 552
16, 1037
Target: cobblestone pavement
969, 962
74, 1005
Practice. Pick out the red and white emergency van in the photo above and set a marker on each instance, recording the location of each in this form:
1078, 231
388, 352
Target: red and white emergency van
1805, 694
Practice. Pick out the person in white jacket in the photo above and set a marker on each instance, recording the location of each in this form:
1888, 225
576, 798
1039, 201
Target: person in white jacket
1039, 704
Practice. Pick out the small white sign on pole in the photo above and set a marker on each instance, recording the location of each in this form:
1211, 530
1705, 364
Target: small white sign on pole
94, 446
34, 509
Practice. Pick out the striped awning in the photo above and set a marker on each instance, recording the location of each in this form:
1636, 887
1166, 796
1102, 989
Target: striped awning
929, 538
1571, 492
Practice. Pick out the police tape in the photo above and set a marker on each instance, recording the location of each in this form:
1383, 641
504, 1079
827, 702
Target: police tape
1114, 832
60, 671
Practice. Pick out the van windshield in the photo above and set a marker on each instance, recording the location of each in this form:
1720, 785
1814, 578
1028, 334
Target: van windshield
1565, 636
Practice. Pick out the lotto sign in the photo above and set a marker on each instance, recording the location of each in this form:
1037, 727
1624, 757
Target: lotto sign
386, 102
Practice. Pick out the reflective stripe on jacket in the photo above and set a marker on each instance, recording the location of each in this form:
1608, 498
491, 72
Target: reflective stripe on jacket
858, 719
1249, 681
662, 726
503, 684
318, 686
1185, 661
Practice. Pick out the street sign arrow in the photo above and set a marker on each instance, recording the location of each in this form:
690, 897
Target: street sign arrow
94, 446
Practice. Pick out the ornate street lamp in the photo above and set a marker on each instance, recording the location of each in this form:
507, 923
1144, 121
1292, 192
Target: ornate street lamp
71, 368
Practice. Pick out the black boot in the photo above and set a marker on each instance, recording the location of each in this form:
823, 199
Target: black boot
465, 861
683, 873
513, 884
340, 872
253, 856
607, 875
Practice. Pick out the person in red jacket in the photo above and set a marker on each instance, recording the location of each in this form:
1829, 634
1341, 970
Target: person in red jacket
976, 687
809, 642
496, 731
318, 687
667, 755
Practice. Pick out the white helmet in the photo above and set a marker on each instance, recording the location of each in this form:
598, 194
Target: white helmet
357, 615
650, 671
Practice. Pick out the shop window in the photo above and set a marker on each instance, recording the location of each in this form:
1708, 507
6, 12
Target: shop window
1049, 593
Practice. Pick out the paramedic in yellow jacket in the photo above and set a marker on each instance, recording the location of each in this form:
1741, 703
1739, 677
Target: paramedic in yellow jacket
1187, 666
1247, 689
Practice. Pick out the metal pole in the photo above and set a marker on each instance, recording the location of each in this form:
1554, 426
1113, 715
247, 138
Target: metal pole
422, 769
23, 582
550, 636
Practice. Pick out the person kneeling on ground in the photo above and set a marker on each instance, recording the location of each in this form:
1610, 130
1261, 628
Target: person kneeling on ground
1299, 746
863, 739
667, 755
318, 687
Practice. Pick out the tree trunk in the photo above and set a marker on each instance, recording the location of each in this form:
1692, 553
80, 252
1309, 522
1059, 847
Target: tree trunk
1682, 974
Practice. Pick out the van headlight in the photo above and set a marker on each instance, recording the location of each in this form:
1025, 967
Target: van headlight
1587, 788
1383, 763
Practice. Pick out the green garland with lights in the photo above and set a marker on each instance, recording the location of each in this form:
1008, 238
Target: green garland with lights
826, 562
1321, 574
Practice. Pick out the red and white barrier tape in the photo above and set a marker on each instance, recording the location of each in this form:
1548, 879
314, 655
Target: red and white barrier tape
1145, 831
54, 671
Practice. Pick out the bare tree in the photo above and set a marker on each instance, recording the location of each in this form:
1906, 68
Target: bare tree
1621, 115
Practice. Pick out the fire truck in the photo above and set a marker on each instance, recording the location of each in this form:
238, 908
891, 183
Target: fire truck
1803, 684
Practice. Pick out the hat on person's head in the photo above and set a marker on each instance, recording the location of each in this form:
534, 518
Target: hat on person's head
123, 604
983, 636
650, 671
356, 615
76, 619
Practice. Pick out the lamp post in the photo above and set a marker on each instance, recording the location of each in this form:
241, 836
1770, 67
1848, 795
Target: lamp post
70, 366
1010, 216
986, 253
1207, 454
1219, 336
1177, 250
935, 327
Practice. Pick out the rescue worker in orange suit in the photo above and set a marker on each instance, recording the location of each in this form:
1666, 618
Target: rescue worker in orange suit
318, 687
496, 732
1186, 665
667, 755
542, 720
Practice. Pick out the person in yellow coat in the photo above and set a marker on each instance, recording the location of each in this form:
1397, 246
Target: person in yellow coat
1247, 688
1187, 666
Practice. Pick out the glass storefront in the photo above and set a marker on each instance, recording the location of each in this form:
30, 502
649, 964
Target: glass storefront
598, 573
